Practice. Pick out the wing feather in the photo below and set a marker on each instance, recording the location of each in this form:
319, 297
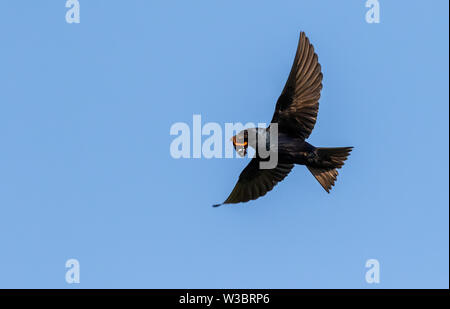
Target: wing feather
255, 182
298, 105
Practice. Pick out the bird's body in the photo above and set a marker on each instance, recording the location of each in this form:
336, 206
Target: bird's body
294, 119
294, 150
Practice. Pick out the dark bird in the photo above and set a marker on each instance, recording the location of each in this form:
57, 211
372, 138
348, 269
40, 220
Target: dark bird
295, 116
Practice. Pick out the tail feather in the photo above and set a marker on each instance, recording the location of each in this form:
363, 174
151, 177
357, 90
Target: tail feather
330, 160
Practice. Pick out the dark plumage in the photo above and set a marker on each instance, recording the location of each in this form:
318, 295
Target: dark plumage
295, 114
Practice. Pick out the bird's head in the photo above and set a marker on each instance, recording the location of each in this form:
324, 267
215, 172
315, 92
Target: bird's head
240, 142
247, 137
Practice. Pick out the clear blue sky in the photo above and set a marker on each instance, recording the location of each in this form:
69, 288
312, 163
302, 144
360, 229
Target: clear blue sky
86, 172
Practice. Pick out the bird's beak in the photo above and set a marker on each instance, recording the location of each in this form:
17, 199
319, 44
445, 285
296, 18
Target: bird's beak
241, 148
241, 151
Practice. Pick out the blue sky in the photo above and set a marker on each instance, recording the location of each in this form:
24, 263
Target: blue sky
86, 172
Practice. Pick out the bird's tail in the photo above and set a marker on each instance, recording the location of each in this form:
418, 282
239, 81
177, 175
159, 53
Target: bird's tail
329, 161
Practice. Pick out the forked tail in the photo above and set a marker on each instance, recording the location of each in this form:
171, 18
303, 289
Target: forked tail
329, 161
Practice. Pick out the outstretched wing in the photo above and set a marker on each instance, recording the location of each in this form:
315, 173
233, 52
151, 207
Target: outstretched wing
255, 182
298, 105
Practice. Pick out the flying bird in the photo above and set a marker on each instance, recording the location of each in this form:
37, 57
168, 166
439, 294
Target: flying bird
294, 117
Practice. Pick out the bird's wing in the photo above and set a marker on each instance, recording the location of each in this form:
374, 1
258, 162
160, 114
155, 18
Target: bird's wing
255, 182
298, 104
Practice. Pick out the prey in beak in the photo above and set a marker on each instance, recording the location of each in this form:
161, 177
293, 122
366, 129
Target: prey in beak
240, 145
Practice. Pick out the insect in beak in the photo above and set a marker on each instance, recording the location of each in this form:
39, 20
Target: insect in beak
241, 148
241, 151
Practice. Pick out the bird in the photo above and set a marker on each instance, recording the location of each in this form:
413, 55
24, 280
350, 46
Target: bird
294, 118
